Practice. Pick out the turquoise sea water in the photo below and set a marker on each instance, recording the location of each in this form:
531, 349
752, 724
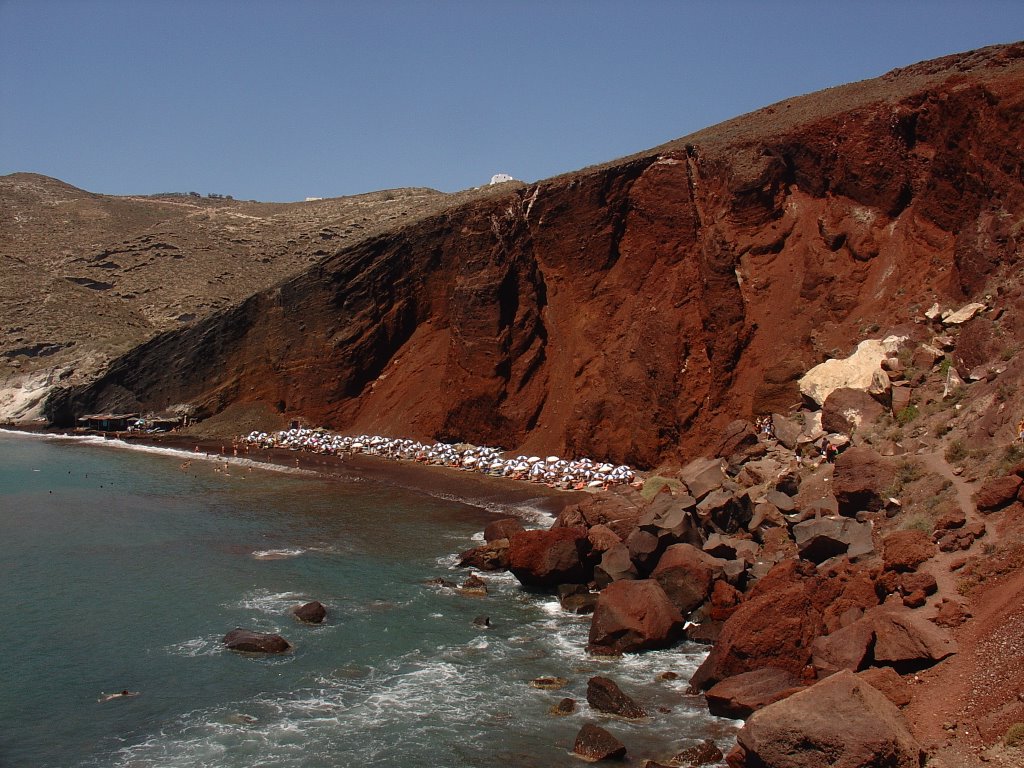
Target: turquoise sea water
121, 569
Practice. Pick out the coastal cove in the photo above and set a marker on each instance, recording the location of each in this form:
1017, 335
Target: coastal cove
123, 569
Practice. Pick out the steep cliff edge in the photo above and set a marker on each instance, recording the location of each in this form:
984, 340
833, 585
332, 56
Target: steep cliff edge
629, 310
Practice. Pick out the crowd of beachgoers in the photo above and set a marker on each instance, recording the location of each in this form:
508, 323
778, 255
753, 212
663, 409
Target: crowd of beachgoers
551, 470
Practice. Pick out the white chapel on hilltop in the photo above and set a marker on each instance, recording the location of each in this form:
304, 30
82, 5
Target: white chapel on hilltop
500, 178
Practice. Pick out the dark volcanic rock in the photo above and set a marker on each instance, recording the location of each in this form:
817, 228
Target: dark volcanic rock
311, 613
846, 410
247, 641
604, 695
595, 743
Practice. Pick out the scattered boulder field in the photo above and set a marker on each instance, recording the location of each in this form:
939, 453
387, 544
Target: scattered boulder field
821, 580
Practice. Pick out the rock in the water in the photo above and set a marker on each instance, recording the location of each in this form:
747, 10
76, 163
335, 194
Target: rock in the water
576, 598
492, 556
595, 743
247, 641
505, 528
861, 479
549, 683
634, 616
474, 585
604, 695
840, 722
311, 613
564, 707
482, 621
705, 753
548, 558
739, 696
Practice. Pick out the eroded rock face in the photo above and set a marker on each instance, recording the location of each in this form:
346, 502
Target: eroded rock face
633, 310
863, 728
634, 616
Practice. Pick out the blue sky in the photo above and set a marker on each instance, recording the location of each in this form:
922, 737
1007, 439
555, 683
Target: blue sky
295, 98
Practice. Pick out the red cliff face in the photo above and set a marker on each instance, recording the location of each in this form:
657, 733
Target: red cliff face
628, 311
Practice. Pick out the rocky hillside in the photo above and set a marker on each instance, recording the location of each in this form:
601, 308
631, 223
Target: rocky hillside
630, 310
89, 277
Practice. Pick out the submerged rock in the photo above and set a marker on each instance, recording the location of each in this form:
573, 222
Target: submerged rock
604, 695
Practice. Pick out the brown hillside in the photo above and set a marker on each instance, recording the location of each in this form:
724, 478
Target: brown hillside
628, 310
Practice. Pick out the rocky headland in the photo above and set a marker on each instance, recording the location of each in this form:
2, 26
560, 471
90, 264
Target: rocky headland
805, 324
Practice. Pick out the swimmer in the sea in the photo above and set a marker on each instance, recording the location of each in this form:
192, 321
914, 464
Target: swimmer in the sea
104, 697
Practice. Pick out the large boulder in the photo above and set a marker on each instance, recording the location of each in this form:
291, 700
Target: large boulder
883, 636
903, 551
545, 559
703, 476
740, 696
615, 565
491, 556
861, 480
775, 626
840, 722
848, 410
634, 616
854, 372
594, 743
604, 695
247, 641
686, 574
738, 441
825, 537
997, 492
504, 528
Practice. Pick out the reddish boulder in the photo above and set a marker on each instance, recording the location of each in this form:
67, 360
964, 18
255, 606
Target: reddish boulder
738, 439
634, 616
604, 695
602, 538
492, 556
846, 648
903, 551
615, 565
545, 559
846, 410
725, 599
948, 521
888, 681
997, 493
686, 574
705, 753
840, 722
505, 528
247, 641
774, 627
595, 743
860, 480
739, 696
904, 640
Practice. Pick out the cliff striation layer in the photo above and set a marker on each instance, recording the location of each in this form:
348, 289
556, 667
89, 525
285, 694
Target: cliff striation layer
628, 311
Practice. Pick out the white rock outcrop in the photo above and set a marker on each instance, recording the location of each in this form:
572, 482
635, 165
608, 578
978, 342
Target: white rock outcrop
854, 372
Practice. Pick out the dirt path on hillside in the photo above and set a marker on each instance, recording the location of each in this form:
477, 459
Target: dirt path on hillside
969, 700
